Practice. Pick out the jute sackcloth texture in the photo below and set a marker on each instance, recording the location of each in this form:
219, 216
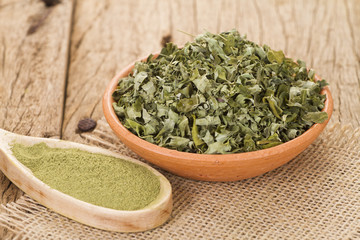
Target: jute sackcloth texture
314, 196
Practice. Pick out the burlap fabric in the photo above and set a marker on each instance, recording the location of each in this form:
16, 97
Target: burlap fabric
315, 196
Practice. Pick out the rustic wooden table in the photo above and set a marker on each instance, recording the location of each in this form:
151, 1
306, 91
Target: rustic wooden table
55, 61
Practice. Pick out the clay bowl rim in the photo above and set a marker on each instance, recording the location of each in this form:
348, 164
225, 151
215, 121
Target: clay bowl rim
195, 158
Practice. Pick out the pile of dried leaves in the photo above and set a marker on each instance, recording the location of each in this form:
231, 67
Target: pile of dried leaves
219, 94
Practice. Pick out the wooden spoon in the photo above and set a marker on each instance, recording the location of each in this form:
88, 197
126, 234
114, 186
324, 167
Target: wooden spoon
153, 215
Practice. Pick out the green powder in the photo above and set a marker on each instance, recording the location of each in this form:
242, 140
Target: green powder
91, 177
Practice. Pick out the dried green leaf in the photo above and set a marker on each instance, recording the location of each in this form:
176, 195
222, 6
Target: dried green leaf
178, 142
317, 117
195, 134
218, 147
275, 56
139, 78
219, 94
187, 104
202, 83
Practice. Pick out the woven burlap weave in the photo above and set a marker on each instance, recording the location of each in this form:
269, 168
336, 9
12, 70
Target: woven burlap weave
314, 196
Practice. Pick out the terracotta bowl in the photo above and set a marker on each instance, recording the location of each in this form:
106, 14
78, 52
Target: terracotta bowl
211, 167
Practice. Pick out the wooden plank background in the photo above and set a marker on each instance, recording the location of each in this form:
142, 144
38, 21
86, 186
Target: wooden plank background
55, 61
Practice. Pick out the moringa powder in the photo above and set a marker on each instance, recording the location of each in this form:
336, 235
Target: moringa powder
91, 177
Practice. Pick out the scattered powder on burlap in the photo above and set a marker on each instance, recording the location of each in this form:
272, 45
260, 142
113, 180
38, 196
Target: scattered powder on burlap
314, 196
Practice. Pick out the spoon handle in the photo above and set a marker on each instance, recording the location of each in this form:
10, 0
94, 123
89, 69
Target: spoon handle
2, 132
4, 137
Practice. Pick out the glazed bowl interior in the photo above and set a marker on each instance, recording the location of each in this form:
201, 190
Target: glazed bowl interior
211, 167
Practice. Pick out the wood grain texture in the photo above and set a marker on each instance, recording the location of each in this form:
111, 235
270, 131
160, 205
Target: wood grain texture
108, 35
33, 64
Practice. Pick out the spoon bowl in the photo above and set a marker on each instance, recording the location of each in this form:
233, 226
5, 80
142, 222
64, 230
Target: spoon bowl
153, 215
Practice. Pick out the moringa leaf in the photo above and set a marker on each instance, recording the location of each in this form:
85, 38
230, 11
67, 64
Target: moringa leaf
149, 88
218, 147
249, 144
184, 126
118, 110
187, 104
132, 113
208, 139
202, 83
146, 116
317, 117
139, 78
134, 125
275, 56
178, 142
195, 134
219, 94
